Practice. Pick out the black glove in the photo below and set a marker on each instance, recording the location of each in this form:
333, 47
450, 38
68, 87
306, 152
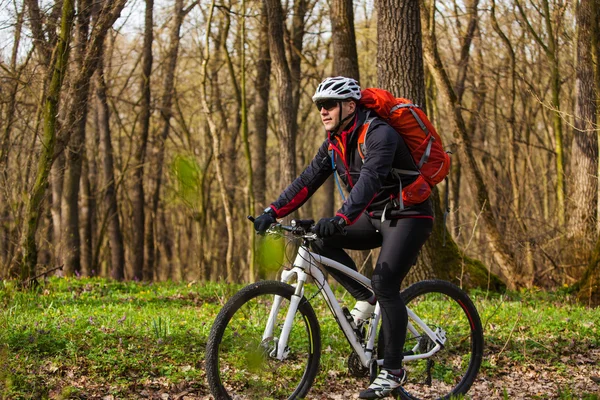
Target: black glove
327, 227
264, 221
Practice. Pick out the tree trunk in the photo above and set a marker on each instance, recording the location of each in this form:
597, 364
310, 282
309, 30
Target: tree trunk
28, 259
584, 156
87, 211
596, 61
344, 40
501, 254
5, 146
77, 119
139, 157
115, 236
43, 47
166, 113
261, 113
246, 142
56, 182
9, 118
295, 52
216, 145
589, 286
465, 49
399, 49
231, 121
283, 77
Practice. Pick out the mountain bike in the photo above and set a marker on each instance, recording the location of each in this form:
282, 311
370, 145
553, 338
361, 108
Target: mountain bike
265, 342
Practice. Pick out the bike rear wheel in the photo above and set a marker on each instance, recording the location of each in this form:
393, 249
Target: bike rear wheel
448, 310
240, 364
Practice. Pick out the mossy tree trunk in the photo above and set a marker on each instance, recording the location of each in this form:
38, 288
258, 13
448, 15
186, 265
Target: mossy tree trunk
60, 58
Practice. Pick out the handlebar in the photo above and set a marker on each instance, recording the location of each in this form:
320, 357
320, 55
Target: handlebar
299, 227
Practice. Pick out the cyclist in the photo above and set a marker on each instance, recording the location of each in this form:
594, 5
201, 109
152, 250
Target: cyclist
359, 224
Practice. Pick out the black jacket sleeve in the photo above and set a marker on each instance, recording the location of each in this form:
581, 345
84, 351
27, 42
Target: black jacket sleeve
382, 143
296, 194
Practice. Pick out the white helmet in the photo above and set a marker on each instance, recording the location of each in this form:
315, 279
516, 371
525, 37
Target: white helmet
338, 87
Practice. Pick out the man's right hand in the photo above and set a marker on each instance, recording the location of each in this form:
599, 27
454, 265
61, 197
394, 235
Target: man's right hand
264, 221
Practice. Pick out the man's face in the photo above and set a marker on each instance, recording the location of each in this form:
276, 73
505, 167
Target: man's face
330, 112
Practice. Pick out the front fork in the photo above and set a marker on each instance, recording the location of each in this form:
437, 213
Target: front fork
280, 351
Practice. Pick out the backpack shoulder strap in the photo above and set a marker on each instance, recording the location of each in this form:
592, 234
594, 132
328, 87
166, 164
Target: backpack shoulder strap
362, 135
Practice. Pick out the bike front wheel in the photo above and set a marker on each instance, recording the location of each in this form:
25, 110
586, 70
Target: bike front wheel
240, 357
449, 312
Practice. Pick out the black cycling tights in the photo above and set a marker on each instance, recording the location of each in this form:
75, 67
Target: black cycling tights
400, 241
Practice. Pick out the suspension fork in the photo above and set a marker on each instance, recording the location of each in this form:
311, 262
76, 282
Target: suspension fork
286, 277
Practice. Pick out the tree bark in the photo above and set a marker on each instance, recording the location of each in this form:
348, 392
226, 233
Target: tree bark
344, 39
295, 57
596, 60
87, 209
399, 49
43, 47
584, 157
589, 286
115, 236
9, 118
261, 112
246, 142
283, 77
139, 203
5, 146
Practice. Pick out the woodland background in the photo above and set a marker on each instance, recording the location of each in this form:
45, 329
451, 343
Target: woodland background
137, 136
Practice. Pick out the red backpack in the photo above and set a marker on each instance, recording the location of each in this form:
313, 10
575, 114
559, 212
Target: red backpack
423, 141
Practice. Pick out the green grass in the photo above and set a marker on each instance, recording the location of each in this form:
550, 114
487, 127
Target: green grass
81, 338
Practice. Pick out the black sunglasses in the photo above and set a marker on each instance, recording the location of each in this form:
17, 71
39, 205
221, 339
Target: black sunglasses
328, 104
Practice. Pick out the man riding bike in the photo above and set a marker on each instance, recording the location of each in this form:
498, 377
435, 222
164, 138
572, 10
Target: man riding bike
370, 216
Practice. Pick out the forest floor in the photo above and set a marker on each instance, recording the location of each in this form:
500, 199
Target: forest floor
98, 339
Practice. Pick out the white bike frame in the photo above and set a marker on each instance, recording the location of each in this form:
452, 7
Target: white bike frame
305, 265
